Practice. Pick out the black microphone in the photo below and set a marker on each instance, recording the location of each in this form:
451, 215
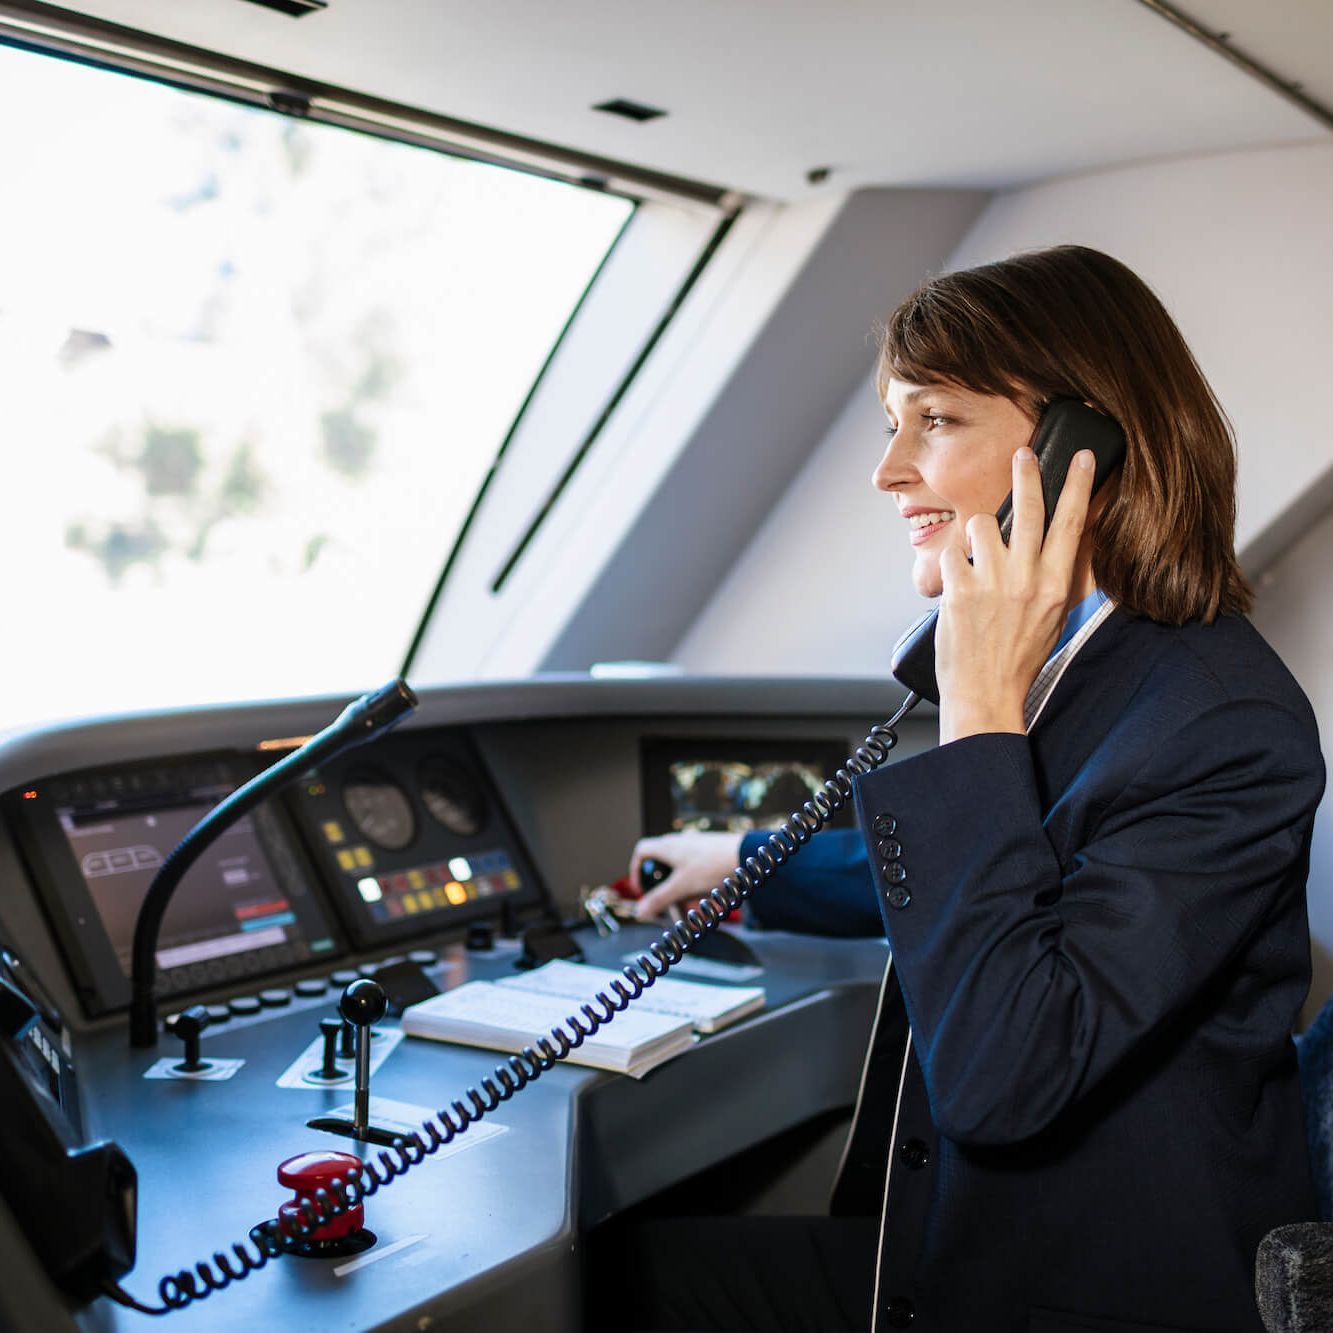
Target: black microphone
362, 720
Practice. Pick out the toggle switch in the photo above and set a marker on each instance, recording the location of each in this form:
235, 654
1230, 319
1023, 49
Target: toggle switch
330, 1029
312, 1175
189, 1027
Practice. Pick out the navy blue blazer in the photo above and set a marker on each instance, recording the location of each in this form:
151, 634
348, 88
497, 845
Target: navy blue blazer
1099, 939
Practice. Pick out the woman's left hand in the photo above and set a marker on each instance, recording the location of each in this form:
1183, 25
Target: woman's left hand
1001, 616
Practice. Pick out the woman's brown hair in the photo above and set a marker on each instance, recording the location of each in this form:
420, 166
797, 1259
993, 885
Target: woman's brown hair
1071, 322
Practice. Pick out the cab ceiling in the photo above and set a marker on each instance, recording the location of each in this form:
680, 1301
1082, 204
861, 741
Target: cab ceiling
759, 93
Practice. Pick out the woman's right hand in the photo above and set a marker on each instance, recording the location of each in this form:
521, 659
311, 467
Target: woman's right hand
698, 861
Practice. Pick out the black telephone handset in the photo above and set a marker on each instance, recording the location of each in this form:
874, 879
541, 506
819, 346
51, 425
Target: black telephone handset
1065, 427
74, 1199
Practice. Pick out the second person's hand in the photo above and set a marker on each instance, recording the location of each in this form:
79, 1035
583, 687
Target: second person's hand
698, 862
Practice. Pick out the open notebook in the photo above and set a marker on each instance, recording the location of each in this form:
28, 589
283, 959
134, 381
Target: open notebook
510, 1014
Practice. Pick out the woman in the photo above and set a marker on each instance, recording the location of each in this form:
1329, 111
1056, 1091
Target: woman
1094, 889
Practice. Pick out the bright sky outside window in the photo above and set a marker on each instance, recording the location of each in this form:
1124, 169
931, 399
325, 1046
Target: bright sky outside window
253, 372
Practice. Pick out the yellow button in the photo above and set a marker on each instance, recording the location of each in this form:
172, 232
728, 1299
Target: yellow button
346, 861
456, 892
333, 830
363, 857
409, 903
415, 879
512, 880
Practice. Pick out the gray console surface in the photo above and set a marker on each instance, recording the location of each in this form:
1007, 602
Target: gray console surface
488, 1236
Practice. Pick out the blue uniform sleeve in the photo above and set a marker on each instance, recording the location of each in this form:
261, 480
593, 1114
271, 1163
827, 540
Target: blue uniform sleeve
825, 889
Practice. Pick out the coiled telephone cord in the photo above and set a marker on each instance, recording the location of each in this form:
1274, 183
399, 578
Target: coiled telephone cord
269, 1240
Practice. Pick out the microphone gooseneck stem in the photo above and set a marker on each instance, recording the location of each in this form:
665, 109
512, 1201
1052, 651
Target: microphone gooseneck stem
360, 721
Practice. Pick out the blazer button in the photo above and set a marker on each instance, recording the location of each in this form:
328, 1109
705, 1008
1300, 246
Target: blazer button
898, 897
884, 826
894, 872
915, 1153
890, 849
899, 1312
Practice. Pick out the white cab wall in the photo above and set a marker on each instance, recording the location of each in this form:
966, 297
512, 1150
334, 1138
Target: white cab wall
1295, 614
824, 586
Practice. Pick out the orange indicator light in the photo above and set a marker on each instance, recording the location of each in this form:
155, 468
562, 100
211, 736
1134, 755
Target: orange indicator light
29, 795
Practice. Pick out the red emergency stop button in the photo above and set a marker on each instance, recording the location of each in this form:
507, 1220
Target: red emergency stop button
307, 1174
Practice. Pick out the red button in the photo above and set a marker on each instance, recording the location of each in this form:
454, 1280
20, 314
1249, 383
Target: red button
313, 1171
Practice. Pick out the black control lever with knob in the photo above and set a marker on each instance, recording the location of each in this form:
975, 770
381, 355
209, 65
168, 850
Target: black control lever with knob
363, 1004
717, 945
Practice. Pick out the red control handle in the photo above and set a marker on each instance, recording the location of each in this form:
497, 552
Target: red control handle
313, 1171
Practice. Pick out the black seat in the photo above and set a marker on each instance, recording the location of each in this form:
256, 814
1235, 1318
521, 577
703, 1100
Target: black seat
1293, 1270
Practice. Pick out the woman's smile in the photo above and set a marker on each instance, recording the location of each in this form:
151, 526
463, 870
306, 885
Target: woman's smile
923, 524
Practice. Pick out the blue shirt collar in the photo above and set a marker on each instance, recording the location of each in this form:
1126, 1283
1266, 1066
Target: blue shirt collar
1079, 617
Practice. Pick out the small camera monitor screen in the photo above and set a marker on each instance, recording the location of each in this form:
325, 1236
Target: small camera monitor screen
734, 786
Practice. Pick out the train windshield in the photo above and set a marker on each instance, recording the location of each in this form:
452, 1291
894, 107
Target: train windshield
255, 371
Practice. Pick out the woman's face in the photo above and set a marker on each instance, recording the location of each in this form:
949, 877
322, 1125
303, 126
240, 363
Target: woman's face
950, 456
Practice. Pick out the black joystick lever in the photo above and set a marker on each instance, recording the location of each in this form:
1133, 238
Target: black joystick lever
719, 945
363, 1003
189, 1027
652, 872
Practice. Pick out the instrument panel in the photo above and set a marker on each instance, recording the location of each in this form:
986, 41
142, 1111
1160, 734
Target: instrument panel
407, 839
414, 836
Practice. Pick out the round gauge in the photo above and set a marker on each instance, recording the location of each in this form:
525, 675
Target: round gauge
379, 809
452, 796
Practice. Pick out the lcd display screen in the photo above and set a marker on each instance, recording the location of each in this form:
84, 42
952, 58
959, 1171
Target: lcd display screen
229, 903
95, 841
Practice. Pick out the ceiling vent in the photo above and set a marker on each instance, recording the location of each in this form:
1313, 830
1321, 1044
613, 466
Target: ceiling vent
621, 106
296, 8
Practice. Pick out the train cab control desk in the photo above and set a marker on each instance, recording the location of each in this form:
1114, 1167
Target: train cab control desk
484, 1234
